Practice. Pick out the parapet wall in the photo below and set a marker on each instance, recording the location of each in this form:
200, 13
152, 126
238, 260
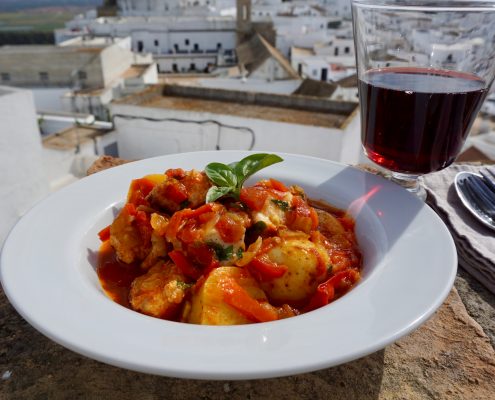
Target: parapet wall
297, 102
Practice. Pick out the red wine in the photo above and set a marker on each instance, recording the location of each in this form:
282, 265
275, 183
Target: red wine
416, 120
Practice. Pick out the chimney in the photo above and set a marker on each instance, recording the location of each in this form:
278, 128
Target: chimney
244, 26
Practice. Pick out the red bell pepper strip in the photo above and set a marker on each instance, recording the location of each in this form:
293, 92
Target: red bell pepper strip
183, 263
254, 197
130, 209
104, 234
177, 219
277, 185
203, 255
325, 292
237, 297
176, 192
265, 270
140, 188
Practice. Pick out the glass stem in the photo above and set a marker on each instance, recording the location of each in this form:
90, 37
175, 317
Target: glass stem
410, 183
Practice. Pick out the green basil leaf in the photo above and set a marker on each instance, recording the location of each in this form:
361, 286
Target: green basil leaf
221, 174
253, 163
230, 178
215, 193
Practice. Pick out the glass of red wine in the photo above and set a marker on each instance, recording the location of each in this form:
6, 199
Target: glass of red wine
424, 70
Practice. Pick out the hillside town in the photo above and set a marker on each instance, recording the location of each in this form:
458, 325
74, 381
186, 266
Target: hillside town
142, 78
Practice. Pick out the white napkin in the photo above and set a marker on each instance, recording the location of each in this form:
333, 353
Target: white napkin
475, 242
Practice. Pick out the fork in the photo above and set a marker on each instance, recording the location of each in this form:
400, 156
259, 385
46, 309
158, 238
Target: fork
488, 178
479, 194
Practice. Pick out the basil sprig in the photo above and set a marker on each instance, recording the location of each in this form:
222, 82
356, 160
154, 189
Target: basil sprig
230, 178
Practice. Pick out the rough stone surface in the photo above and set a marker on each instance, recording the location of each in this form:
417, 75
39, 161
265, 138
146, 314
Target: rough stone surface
449, 357
479, 302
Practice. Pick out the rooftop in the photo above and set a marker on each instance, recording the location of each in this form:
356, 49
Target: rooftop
72, 137
301, 51
135, 71
311, 87
89, 41
296, 109
45, 48
257, 50
348, 81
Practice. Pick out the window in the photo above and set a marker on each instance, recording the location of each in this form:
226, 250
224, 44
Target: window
193, 67
156, 42
196, 47
336, 51
5, 77
219, 46
82, 75
43, 76
347, 50
186, 42
324, 74
140, 46
174, 68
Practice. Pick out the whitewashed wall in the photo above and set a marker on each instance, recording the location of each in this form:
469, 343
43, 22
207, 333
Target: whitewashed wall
183, 62
270, 70
50, 99
22, 181
140, 138
163, 41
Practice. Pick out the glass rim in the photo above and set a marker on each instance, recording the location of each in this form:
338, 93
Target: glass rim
426, 5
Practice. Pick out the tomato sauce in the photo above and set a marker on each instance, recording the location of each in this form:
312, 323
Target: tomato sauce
116, 276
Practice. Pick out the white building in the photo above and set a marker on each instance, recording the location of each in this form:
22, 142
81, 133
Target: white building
153, 8
178, 43
305, 31
338, 8
175, 119
322, 67
80, 75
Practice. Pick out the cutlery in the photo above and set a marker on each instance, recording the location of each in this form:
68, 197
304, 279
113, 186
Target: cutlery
488, 177
477, 196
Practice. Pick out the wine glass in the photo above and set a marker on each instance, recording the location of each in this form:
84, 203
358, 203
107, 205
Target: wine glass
424, 70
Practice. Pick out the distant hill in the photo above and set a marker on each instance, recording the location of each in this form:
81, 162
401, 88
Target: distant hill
16, 5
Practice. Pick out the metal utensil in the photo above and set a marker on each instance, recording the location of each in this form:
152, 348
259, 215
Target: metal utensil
477, 197
488, 178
